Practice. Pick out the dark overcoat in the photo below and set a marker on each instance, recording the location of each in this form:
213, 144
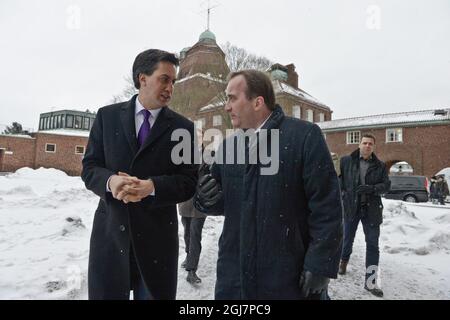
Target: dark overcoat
150, 226
350, 179
277, 225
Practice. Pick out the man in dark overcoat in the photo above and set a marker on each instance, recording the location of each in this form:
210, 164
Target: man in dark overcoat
128, 164
282, 231
364, 179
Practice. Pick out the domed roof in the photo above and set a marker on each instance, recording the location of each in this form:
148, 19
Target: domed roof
207, 35
278, 74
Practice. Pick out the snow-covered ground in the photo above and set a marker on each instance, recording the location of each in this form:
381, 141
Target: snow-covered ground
46, 219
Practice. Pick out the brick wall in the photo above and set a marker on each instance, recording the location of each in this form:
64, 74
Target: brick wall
425, 148
19, 152
64, 157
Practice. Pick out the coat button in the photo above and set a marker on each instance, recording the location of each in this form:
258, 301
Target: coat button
122, 228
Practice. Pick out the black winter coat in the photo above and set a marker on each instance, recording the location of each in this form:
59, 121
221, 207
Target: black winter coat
350, 179
278, 225
151, 226
187, 209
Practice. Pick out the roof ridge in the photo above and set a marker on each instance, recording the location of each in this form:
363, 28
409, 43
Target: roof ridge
394, 113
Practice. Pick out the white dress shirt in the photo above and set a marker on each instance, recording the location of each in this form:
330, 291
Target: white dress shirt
139, 116
260, 127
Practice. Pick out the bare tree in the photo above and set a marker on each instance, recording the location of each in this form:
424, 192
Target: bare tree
127, 92
239, 59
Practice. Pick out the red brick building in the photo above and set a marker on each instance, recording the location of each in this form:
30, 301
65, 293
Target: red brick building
199, 91
16, 151
61, 149
420, 138
60, 143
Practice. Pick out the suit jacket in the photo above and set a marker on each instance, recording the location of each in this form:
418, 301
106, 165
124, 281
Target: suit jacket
150, 227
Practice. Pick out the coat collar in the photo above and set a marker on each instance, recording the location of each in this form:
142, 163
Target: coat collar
275, 118
355, 156
162, 123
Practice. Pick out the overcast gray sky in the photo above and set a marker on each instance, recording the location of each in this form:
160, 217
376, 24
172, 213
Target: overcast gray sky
359, 57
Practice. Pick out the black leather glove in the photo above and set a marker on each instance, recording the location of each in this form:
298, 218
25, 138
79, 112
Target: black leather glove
312, 284
365, 188
208, 191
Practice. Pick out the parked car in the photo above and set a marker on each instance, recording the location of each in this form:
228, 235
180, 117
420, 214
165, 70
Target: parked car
408, 188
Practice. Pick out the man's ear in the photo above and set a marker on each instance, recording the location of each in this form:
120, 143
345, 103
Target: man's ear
259, 103
142, 79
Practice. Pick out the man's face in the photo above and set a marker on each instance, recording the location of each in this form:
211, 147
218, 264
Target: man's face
366, 147
158, 88
240, 109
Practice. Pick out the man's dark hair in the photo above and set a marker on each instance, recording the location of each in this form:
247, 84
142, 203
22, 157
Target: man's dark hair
368, 135
146, 62
258, 84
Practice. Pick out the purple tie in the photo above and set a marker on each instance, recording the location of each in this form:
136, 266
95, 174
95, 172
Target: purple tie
144, 131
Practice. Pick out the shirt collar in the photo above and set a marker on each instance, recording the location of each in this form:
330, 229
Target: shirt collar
140, 107
262, 125
370, 157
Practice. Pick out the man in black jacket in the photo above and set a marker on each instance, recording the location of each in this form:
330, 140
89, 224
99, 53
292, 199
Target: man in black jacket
128, 164
282, 231
363, 179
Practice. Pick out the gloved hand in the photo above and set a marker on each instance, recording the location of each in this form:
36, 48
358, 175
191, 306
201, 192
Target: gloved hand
365, 188
311, 283
208, 192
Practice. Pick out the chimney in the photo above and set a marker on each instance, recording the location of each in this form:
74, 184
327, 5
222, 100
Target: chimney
292, 76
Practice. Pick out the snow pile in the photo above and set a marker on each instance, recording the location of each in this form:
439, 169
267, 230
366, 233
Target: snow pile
405, 232
45, 223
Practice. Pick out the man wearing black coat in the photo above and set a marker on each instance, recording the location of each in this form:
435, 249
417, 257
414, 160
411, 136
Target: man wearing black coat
282, 231
363, 179
128, 164
193, 221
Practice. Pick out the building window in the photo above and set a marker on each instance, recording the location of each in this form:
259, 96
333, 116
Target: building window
353, 137
78, 122
217, 120
79, 149
41, 124
86, 124
47, 123
321, 117
310, 115
296, 112
69, 121
63, 123
200, 123
50, 148
394, 135
91, 123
